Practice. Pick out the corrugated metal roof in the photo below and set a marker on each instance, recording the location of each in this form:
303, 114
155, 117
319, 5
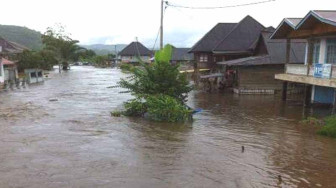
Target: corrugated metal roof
135, 49
293, 21
276, 52
314, 16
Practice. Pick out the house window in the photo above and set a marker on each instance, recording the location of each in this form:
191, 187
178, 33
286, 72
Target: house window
203, 58
331, 51
316, 52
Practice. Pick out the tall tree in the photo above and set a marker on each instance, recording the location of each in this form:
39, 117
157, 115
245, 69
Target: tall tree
61, 45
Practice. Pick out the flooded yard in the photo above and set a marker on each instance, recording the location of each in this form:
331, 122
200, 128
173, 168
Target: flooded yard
60, 134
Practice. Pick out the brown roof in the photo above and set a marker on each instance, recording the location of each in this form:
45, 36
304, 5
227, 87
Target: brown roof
242, 36
213, 37
7, 62
11, 47
276, 52
135, 49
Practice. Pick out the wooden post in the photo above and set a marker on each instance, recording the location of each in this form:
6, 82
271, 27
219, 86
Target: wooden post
284, 91
310, 54
307, 95
285, 84
161, 26
288, 52
334, 103
196, 71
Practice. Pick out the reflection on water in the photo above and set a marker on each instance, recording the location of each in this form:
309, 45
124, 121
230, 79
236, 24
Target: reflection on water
73, 142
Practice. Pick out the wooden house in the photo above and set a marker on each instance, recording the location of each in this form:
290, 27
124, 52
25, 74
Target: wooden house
226, 41
182, 57
255, 74
318, 73
135, 52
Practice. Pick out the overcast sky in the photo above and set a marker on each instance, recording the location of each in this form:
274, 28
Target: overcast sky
121, 21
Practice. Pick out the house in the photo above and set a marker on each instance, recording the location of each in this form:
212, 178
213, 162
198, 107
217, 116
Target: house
255, 74
182, 57
8, 68
318, 74
135, 52
2, 75
227, 41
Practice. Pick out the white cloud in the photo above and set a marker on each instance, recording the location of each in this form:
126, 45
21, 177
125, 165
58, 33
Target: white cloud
120, 21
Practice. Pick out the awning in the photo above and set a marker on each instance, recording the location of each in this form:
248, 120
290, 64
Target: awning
254, 60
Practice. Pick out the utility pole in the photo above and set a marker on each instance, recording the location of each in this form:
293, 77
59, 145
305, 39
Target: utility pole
161, 26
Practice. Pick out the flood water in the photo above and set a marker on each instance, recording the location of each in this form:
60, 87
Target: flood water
74, 142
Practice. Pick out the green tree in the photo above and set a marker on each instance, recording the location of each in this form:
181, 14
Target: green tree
61, 45
159, 77
36, 60
160, 90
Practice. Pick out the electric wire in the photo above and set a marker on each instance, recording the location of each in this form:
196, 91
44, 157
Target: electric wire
219, 7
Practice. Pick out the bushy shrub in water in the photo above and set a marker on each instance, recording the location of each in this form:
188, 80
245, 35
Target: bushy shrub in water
166, 108
135, 107
160, 89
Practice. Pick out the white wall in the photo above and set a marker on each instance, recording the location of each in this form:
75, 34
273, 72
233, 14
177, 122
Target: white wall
2, 73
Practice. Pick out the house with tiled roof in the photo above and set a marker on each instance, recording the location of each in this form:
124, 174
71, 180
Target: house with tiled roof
134, 53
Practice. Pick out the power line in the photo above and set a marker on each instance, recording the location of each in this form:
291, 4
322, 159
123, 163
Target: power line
157, 36
220, 7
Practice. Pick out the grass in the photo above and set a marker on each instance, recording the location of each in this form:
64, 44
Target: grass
329, 129
326, 126
116, 113
311, 121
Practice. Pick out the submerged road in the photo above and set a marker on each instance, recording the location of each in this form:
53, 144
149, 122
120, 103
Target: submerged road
73, 142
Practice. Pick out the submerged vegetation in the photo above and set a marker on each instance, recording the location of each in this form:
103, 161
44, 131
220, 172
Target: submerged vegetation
326, 126
160, 90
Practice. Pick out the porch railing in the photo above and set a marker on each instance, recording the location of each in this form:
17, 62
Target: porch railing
306, 70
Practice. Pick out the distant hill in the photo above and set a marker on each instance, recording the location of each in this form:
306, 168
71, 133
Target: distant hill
102, 49
32, 39
22, 35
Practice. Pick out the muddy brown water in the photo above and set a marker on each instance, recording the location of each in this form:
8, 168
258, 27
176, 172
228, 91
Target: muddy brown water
73, 142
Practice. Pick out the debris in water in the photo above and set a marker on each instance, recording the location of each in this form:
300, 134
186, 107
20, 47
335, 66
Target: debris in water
243, 149
280, 179
53, 100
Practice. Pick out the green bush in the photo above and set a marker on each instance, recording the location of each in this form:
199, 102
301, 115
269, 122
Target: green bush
160, 89
166, 108
126, 67
329, 129
135, 107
